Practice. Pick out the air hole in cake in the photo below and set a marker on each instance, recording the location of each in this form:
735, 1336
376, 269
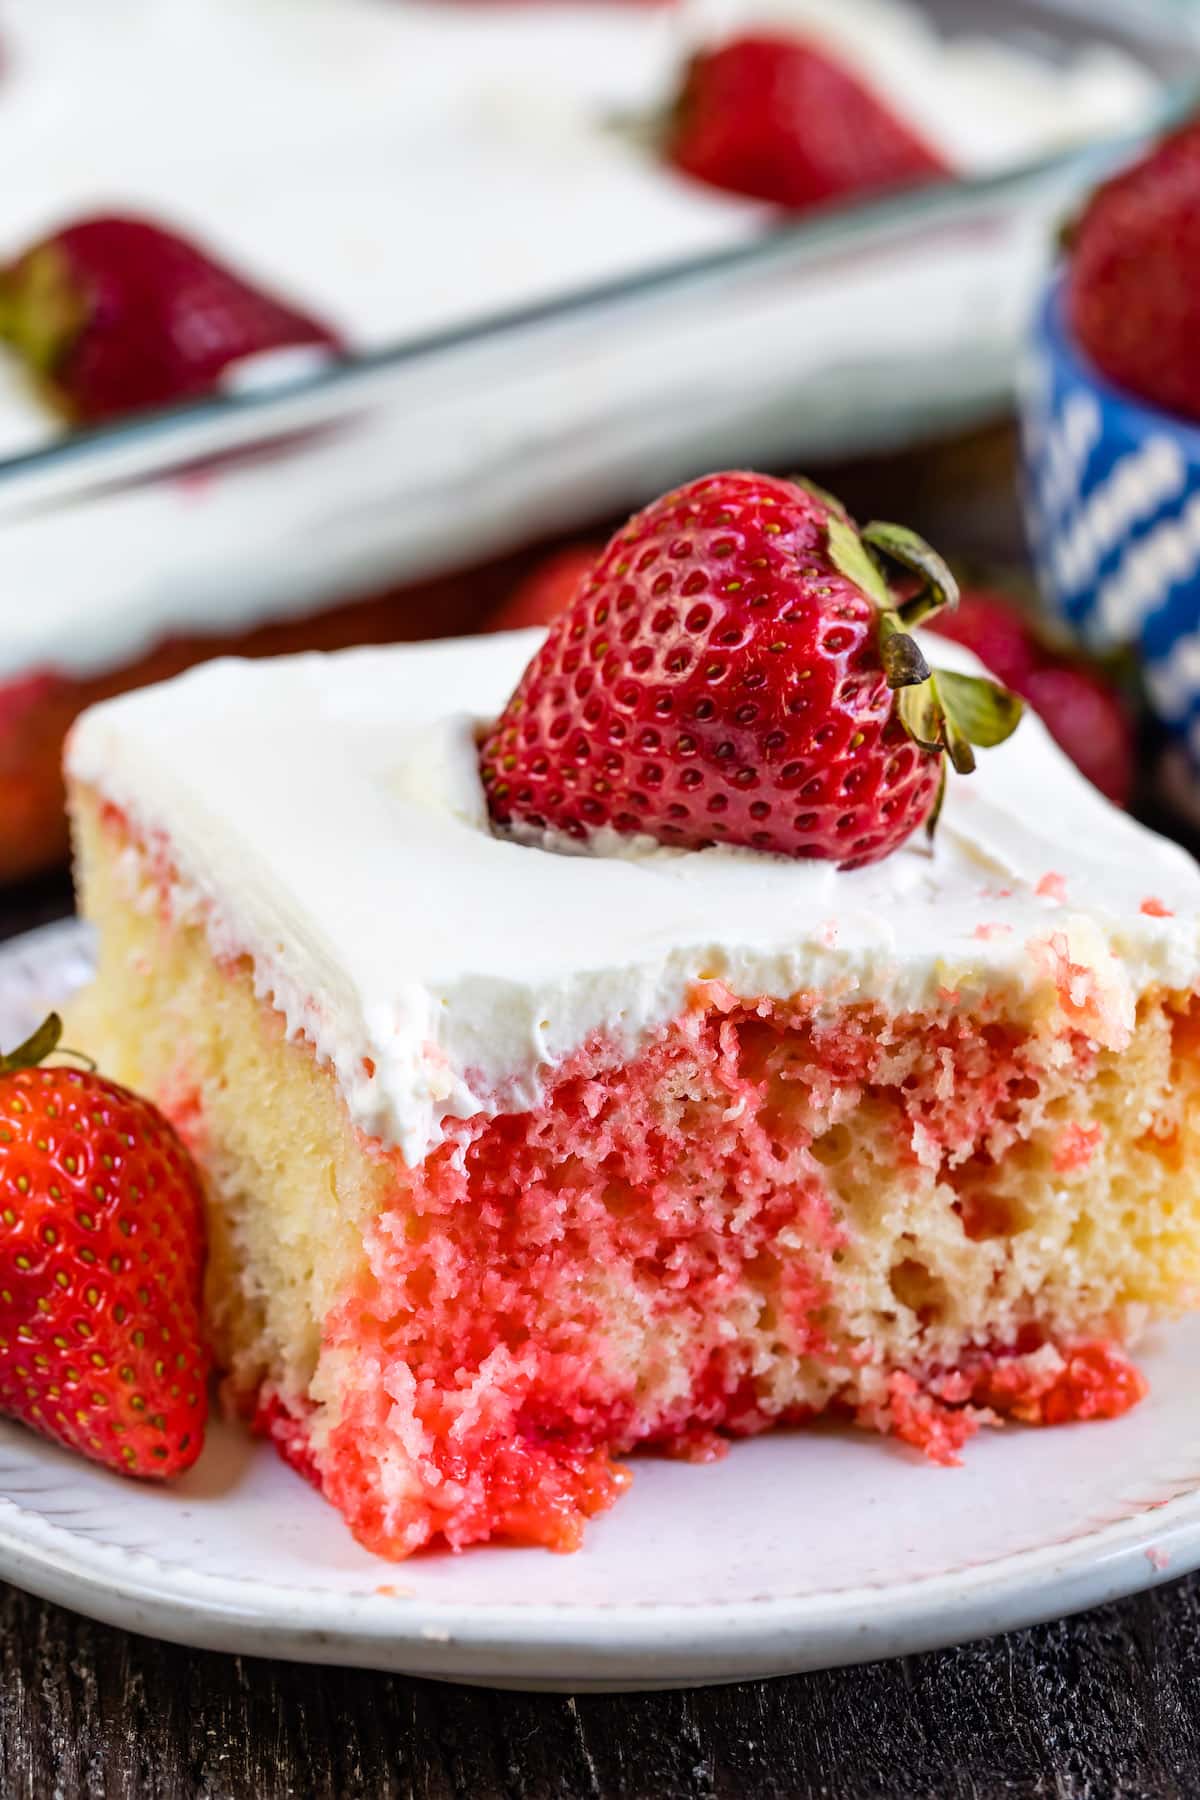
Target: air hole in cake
990, 1215
917, 1287
989, 1203
1083, 1235
1169, 1148
619, 1201
833, 1146
1185, 1037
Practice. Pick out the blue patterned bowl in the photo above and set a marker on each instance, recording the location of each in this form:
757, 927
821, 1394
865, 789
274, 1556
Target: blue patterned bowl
1112, 504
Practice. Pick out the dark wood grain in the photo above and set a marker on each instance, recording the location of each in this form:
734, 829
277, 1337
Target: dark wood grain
1104, 1707
1092, 1709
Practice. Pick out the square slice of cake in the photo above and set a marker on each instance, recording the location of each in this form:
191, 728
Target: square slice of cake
519, 1160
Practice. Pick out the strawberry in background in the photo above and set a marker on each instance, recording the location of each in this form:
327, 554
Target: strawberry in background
1081, 709
112, 315
1133, 280
777, 118
547, 589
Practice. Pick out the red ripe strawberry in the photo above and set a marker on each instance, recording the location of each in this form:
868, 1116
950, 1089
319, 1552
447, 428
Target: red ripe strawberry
779, 119
546, 590
1132, 294
1083, 712
727, 674
114, 314
1089, 721
997, 632
101, 1258
20, 697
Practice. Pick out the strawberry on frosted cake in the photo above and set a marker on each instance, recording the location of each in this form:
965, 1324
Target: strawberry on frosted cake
601, 1039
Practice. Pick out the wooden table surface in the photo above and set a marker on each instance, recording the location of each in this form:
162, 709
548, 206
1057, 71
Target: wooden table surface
1093, 1708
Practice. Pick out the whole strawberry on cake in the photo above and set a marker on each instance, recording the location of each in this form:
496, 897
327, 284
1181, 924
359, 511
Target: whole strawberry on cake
649, 1032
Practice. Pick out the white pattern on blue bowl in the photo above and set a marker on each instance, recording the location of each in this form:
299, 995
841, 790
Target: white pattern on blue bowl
1112, 505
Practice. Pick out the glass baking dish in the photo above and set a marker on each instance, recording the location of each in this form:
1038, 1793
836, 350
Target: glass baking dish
886, 319
849, 330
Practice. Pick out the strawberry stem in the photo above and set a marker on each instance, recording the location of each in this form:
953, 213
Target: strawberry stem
37, 1047
935, 811
900, 654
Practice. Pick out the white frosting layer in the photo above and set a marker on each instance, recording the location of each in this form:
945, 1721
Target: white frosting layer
325, 816
401, 168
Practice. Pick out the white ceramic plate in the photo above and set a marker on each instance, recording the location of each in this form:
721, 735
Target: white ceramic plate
799, 1551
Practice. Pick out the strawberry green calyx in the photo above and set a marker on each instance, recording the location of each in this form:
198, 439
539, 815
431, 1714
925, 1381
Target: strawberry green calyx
936, 586
44, 1042
954, 712
37, 1047
854, 555
940, 709
935, 811
43, 309
869, 556
851, 557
